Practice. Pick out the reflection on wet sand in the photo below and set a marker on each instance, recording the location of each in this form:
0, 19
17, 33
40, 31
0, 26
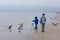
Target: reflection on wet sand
19, 30
10, 30
36, 30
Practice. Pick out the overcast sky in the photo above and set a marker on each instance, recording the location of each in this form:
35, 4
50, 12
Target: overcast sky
18, 4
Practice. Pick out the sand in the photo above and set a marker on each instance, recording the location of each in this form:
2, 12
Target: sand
51, 32
28, 32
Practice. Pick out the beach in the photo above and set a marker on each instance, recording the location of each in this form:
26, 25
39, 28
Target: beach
28, 32
51, 32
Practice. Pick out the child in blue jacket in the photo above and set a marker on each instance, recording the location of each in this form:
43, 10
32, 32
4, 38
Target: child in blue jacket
35, 21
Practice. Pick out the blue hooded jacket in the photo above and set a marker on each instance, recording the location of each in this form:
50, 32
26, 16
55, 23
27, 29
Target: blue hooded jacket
36, 20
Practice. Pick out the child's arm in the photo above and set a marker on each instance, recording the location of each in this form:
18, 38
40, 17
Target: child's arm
33, 20
45, 19
40, 20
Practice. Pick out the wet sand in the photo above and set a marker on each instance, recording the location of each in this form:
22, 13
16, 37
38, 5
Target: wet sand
51, 32
28, 32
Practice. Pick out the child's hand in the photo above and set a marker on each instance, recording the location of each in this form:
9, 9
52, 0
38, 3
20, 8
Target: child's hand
32, 20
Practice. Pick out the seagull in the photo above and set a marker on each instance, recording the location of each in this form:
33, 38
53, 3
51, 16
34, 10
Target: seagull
21, 25
55, 24
10, 27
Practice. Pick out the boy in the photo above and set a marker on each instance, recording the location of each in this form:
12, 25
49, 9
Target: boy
36, 22
43, 21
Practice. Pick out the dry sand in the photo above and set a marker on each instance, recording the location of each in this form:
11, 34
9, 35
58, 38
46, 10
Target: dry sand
51, 32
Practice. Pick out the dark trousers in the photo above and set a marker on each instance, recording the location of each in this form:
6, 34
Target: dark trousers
43, 27
36, 26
